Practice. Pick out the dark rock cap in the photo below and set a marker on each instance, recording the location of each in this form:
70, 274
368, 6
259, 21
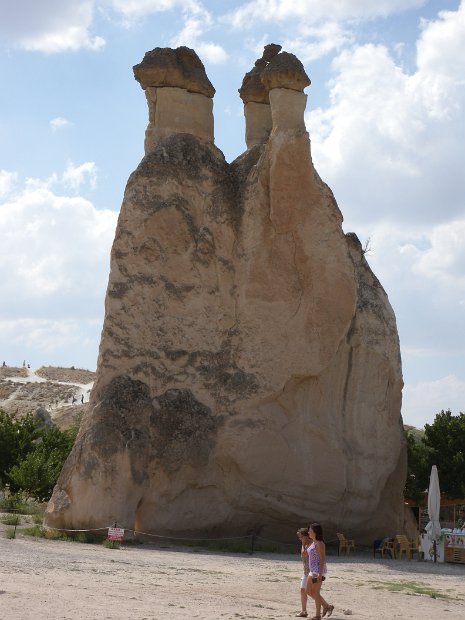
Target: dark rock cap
180, 67
252, 88
285, 71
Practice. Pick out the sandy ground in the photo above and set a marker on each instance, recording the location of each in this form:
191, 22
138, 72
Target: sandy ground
57, 580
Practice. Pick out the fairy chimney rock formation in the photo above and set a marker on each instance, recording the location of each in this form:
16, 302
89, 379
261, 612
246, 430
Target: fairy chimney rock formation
249, 373
273, 96
254, 94
179, 95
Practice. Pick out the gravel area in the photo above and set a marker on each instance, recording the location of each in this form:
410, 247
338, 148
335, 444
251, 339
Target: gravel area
45, 579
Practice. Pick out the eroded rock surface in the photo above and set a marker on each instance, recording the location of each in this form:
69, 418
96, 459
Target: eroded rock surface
180, 68
179, 95
249, 373
252, 88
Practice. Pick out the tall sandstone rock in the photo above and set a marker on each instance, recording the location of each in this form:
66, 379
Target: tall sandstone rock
249, 374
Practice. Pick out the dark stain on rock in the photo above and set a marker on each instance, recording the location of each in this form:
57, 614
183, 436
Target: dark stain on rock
177, 290
204, 246
180, 154
183, 429
118, 290
186, 158
176, 354
221, 373
121, 423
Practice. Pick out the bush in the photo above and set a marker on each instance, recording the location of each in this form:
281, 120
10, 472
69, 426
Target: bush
14, 502
17, 437
10, 520
31, 457
39, 531
37, 474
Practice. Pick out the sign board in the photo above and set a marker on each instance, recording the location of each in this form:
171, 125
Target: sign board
115, 533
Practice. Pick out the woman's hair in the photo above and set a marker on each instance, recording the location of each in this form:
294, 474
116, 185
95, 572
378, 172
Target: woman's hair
303, 531
316, 527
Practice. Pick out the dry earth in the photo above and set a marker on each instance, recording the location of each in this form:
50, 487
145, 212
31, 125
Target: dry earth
23, 390
44, 579
67, 375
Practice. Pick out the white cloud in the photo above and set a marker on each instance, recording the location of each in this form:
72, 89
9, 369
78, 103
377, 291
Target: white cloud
7, 182
59, 122
74, 176
49, 25
391, 144
54, 250
61, 25
314, 41
41, 334
316, 10
423, 400
433, 57
57, 342
444, 261
422, 269
191, 36
211, 52
134, 9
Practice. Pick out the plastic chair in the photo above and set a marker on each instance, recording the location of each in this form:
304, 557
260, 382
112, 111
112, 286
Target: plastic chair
345, 544
403, 545
385, 548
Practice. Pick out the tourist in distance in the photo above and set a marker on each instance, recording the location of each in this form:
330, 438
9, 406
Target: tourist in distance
317, 565
302, 535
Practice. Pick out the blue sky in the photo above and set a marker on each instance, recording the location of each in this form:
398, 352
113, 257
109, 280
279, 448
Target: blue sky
385, 116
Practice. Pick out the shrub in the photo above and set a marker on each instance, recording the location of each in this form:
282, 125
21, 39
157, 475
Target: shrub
10, 520
31, 457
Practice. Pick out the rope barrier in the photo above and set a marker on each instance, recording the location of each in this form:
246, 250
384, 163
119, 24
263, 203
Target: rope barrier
135, 532
189, 539
94, 529
251, 537
276, 542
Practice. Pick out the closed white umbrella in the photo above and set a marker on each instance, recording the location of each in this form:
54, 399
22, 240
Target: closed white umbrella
433, 529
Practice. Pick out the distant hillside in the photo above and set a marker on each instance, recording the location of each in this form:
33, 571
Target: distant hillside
63, 392
416, 432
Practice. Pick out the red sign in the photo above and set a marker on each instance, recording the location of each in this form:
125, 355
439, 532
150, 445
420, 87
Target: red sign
116, 533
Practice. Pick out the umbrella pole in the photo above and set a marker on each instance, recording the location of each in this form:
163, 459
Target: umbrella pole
435, 551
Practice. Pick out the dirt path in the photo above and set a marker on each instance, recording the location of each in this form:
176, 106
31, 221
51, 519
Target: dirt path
59, 390
56, 580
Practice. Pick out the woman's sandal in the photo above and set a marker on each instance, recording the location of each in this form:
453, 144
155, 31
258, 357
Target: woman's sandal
303, 614
328, 610
316, 618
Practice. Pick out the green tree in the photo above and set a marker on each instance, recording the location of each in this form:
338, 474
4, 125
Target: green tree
37, 473
17, 439
445, 439
31, 455
418, 465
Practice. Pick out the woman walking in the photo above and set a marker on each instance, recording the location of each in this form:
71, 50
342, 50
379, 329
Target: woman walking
302, 535
317, 565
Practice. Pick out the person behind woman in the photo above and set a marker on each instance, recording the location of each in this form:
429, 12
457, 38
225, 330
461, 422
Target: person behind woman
317, 564
302, 535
